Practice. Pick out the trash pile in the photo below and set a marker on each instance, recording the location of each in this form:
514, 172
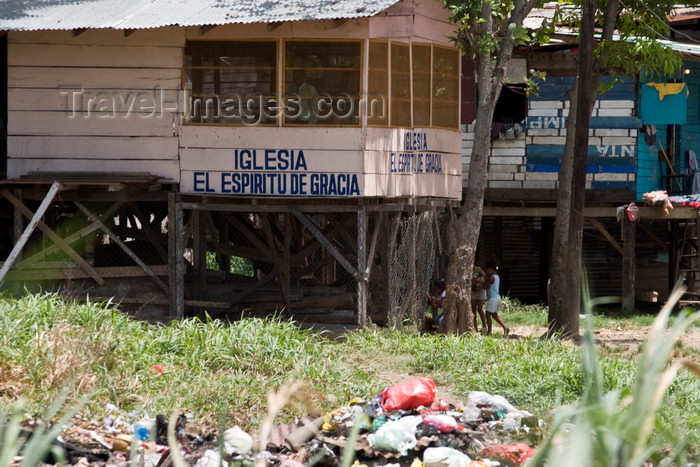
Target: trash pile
402, 426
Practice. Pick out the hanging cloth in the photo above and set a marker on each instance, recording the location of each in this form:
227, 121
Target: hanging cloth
668, 89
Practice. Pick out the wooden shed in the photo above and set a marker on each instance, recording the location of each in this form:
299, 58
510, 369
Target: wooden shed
624, 162
229, 157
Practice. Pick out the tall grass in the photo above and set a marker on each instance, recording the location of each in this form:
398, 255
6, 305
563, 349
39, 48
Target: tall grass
222, 373
614, 428
209, 368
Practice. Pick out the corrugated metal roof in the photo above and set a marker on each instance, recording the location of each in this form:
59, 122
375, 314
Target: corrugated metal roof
24, 15
684, 14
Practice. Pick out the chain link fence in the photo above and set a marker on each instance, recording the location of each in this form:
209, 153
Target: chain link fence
417, 261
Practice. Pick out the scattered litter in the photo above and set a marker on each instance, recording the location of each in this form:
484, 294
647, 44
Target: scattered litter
402, 426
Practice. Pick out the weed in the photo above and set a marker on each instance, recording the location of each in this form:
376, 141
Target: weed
614, 428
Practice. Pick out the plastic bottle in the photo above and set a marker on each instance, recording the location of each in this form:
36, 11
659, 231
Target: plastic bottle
142, 429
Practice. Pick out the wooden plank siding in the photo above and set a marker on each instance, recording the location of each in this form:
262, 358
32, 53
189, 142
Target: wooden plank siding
105, 102
531, 160
98, 102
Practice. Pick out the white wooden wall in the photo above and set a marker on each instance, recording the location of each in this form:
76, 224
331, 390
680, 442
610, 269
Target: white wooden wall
105, 102
49, 129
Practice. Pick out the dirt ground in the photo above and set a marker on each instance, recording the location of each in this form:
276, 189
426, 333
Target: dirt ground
619, 342
625, 342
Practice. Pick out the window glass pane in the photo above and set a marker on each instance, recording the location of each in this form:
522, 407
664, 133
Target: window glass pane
400, 86
378, 92
322, 83
421, 85
231, 82
445, 87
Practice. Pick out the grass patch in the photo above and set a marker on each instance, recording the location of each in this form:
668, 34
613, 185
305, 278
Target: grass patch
215, 371
222, 373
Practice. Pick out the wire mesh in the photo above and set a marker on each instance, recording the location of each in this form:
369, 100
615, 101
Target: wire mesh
414, 265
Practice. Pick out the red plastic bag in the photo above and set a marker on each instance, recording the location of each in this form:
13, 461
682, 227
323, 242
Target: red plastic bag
510, 454
409, 395
444, 423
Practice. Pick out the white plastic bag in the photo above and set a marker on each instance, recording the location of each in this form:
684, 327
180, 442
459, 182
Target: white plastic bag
446, 456
237, 441
397, 435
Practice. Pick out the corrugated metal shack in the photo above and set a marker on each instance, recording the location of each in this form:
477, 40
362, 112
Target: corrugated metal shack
623, 163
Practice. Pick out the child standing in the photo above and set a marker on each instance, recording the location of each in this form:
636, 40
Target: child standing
479, 297
492, 284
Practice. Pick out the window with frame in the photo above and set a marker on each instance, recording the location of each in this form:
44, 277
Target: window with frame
400, 86
421, 85
511, 106
377, 102
231, 82
445, 96
322, 83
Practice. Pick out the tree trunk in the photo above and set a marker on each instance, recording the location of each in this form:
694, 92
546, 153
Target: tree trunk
490, 77
559, 266
459, 318
565, 271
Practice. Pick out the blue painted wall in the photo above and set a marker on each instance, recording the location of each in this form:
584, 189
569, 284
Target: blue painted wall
613, 144
687, 137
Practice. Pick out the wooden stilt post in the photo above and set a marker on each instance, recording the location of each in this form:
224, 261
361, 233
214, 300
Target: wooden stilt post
286, 260
392, 229
362, 266
175, 257
200, 253
19, 225
629, 234
18, 229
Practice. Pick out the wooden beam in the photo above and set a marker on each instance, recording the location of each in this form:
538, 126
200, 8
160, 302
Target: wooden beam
362, 282
70, 239
206, 28
250, 208
254, 286
277, 259
61, 243
243, 226
286, 256
350, 240
17, 249
73, 272
601, 228
78, 31
373, 244
123, 246
128, 32
628, 264
314, 230
543, 211
657, 212
176, 275
272, 26
18, 224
